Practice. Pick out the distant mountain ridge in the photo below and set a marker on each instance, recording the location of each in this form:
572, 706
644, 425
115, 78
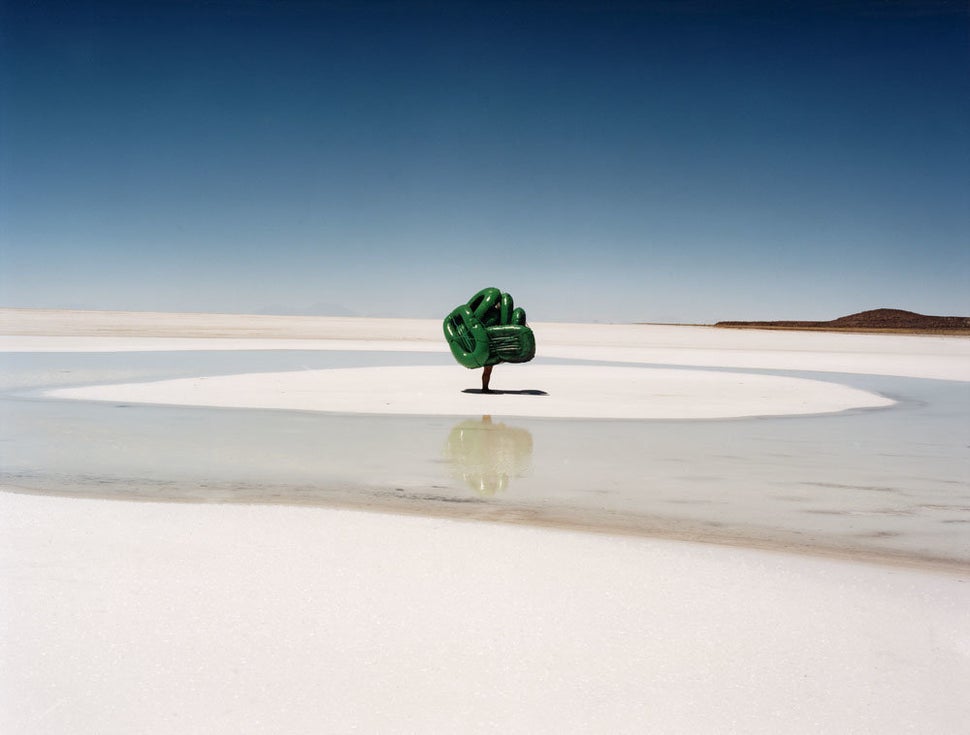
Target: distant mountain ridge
896, 320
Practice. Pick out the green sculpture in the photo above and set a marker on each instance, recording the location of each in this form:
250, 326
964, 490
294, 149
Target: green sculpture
489, 330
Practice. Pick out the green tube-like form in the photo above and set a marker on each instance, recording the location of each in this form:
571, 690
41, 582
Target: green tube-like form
505, 310
485, 306
467, 337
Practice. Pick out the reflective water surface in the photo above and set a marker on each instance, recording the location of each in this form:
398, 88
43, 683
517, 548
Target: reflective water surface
890, 484
485, 454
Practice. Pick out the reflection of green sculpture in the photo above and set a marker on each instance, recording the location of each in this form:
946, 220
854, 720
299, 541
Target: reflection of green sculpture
484, 455
488, 330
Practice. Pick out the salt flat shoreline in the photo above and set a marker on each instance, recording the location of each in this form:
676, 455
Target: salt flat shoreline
235, 608
539, 517
599, 392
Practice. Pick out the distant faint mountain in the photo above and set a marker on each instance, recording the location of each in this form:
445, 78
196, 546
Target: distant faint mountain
320, 308
895, 320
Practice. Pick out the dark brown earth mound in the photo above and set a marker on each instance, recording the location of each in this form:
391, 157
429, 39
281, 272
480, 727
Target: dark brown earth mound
875, 320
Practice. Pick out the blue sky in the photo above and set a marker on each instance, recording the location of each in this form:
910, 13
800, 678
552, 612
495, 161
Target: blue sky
602, 161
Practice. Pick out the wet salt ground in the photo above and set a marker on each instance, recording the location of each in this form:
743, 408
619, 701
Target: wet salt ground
890, 482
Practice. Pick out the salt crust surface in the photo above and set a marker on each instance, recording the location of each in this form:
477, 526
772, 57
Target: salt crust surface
167, 618
944, 358
558, 391
155, 618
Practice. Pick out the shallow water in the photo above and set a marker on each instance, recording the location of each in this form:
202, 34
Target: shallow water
891, 483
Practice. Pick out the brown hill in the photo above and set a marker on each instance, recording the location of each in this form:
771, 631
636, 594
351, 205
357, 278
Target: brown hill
875, 320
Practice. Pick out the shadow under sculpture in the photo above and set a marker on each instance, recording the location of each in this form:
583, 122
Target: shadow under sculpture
489, 330
486, 455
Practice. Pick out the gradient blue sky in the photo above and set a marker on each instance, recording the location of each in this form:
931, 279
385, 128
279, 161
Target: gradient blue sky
602, 161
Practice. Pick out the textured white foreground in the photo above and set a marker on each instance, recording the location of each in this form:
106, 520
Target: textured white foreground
568, 392
152, 618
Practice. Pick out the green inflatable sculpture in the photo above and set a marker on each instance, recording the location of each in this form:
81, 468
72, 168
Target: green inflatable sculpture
489, 330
